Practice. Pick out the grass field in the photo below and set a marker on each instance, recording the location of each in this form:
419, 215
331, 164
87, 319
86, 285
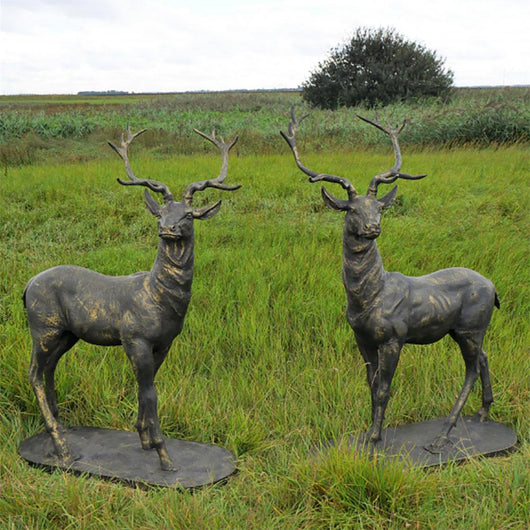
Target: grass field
75, 128
266, 364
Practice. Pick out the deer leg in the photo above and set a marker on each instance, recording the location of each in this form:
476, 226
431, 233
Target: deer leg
487, 392
142, 373
471, 353
373, 383
49, 373
144, 365
387, 363
143, 431
370, 362
159, 357
40, 357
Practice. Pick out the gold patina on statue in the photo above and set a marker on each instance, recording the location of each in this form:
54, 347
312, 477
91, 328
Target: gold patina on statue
144, 312
387, 309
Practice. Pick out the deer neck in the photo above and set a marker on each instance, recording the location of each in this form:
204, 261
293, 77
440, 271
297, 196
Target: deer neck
172, 272
362, 271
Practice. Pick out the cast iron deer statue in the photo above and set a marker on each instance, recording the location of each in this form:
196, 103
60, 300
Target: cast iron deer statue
143, 312
387, 310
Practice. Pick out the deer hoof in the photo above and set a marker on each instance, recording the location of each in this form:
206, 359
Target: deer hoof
168, 466
438, 445
373, 437
482, 415
65, 459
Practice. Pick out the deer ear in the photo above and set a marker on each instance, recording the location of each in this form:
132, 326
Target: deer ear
207, 211
388, 200
151, 204
333, 202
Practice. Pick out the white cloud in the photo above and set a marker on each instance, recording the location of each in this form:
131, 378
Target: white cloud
60, 46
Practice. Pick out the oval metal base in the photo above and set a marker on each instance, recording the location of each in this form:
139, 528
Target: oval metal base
118, 455
469, 438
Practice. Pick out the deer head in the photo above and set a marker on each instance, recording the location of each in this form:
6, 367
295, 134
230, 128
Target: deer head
175, 219
363, 212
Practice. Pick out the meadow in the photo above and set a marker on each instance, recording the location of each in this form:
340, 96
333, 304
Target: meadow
266, 364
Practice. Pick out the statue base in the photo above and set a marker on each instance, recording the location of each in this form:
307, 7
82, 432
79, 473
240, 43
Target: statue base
469, 438
118, 456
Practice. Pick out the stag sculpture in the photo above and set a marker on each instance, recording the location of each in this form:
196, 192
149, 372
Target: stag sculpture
387, 309
143, 312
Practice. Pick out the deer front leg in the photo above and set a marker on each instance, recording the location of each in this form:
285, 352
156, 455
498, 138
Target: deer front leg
145, 366
369, 355
388, 357
142, 422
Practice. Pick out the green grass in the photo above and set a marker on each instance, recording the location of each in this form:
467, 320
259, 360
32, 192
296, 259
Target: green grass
76, 128
266, 364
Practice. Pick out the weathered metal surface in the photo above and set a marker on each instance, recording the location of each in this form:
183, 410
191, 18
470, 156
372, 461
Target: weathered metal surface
469, 438
144, 312
387, 309
117, 455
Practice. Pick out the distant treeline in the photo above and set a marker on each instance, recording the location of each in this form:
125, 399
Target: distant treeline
103, 93
126, 93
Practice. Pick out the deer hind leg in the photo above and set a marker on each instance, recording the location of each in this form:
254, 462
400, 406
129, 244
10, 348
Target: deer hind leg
470, 345
387, 363
44, 358
145, 366
49, 372
487, 392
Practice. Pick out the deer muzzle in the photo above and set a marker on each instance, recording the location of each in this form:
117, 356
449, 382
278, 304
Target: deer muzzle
170, 232
371, 232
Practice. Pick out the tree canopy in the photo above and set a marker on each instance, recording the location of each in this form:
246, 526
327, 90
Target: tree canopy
377, 66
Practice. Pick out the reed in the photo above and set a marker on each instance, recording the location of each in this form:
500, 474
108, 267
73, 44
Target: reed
76, 128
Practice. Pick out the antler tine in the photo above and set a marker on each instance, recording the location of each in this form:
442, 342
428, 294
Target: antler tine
153, 185
224, 147
124, 145
392, 174
290, 138
216, 182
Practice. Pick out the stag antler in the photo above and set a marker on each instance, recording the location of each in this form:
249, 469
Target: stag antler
153, 185
216, 182
313, 175
392, 174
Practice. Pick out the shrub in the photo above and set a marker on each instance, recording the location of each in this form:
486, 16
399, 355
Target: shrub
376, 67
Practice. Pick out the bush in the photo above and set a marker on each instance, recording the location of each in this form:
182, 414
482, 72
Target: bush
376, 67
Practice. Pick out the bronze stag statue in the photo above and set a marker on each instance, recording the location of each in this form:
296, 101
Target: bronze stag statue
387, 309
144, 312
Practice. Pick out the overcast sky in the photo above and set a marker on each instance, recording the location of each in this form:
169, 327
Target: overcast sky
67, 46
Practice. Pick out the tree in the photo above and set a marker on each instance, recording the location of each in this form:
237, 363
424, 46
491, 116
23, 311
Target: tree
377, 66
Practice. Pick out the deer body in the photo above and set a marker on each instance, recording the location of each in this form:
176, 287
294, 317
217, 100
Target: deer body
143, 312
150, 304
387, 309
415, 310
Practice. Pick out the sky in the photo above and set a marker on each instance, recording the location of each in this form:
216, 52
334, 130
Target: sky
68, 46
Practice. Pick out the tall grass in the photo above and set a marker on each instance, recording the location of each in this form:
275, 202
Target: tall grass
71, 128
266, 364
